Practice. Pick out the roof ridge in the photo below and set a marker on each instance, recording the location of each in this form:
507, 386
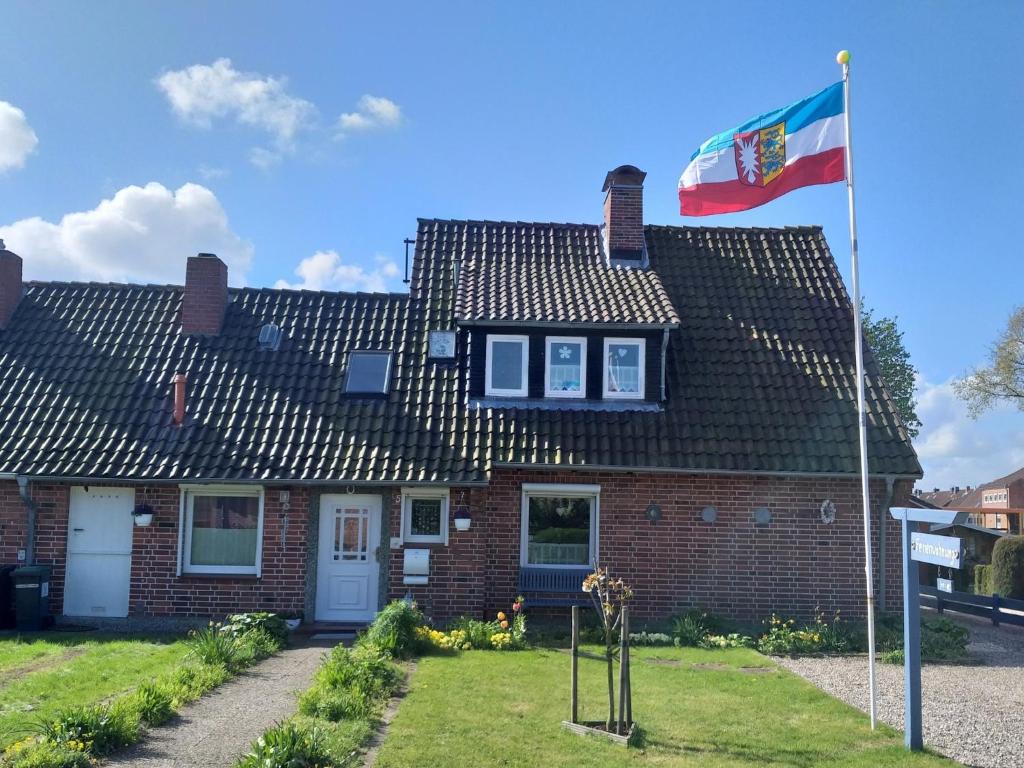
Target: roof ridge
234, 289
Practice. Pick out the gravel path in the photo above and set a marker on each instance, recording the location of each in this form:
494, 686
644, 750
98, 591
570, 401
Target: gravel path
214, 731
972, 713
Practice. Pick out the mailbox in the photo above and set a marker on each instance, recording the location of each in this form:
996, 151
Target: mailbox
416, 566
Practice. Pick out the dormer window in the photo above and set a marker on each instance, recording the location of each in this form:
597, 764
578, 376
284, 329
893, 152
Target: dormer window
565, 366
623, 369
507, 365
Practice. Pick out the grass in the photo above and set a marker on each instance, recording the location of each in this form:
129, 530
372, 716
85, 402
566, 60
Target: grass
40, 675
505, 709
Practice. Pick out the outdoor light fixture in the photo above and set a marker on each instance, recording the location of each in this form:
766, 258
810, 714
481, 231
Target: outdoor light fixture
828, 512
709, 514
653, 512
762, 515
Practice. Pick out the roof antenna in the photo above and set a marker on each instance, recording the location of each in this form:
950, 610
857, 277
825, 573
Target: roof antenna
407, 242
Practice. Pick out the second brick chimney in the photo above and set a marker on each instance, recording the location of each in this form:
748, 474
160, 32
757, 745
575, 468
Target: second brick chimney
206, 295
10, 284
624, 214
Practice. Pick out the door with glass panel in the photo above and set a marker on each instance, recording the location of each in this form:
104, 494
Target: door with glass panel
348, 571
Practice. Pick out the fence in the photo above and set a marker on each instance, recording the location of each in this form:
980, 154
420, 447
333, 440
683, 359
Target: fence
1001, 610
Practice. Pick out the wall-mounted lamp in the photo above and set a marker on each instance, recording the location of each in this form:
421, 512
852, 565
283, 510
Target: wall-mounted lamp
653, 513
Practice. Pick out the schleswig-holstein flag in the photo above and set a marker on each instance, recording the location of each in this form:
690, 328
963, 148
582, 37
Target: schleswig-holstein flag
764, 158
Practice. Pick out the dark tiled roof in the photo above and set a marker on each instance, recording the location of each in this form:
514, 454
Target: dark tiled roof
760, 373
555, 273
85, 373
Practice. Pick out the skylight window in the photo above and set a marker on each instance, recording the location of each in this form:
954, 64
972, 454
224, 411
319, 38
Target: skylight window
368, 372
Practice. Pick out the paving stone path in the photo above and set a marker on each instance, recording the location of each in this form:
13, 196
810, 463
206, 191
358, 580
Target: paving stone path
214, 731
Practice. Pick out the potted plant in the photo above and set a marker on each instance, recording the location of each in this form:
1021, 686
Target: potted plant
462, 519
292, 619
143, 515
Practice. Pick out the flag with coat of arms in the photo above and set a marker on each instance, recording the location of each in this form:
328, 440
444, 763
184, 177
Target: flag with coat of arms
766, 157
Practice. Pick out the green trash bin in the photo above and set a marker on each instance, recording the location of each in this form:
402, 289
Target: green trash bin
32, 598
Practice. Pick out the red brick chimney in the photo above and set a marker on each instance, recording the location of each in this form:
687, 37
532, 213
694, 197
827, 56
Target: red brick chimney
206, 295
10, 284
624, 214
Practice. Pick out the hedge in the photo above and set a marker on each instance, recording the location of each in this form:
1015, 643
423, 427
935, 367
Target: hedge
983, 579
1008, 567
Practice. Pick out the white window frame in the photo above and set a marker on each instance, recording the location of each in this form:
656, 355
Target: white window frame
566, 490
550, 341
411, 494
188, 494
525, 347
642, 361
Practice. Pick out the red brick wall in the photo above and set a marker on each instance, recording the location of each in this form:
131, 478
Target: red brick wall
12, 522
155, 588
10, 285
624, 217
206, 295
456, 584
733, 567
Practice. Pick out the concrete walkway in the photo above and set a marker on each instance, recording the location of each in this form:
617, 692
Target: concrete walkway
216, 730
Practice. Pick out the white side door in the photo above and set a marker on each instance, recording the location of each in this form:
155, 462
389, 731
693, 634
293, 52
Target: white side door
99, 552
347, 568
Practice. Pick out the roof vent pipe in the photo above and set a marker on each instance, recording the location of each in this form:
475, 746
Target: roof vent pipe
179, 382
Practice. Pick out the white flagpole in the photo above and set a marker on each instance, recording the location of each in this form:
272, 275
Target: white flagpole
843, 58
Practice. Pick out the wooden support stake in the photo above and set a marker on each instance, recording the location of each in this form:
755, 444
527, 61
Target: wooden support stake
621, 725
629, 682
575, 663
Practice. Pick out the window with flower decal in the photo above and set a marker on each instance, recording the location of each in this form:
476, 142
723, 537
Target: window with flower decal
566, 366
624, 368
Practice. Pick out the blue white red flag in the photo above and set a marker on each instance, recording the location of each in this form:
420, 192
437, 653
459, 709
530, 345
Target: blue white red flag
764, 158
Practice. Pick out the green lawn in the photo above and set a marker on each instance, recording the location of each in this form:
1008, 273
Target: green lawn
485, 708
42, 673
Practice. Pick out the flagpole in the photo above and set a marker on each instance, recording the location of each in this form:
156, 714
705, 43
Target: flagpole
843, 57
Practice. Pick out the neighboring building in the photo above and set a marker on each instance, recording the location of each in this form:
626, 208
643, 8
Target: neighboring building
998, 504
676, 403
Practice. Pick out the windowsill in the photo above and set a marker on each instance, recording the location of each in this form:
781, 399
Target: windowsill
424, 544
218, 577
566, 404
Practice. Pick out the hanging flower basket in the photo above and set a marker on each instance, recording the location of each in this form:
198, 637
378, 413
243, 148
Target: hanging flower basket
143, 515
462, 519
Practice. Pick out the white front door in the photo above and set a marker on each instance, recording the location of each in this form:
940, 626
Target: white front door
347, 568
99, 552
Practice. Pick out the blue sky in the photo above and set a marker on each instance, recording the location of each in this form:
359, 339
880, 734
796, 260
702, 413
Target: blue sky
233, 116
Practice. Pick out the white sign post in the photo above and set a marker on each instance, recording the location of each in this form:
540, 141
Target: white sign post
924, 548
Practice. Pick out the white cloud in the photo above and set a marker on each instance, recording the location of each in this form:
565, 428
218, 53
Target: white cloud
213, 172
17, 139
372, 112
324, 271
204, 92
957, 450
264, 159
141, 234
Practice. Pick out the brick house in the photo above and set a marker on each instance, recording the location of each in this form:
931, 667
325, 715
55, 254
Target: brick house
676, 403
998, 504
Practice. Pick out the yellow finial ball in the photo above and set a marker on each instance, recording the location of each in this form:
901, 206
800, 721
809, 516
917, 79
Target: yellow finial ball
843, 57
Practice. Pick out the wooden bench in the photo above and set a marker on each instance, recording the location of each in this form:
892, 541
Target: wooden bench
538, 585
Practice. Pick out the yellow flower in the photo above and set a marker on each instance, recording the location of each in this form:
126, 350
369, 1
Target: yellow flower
504, 624
501, 616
